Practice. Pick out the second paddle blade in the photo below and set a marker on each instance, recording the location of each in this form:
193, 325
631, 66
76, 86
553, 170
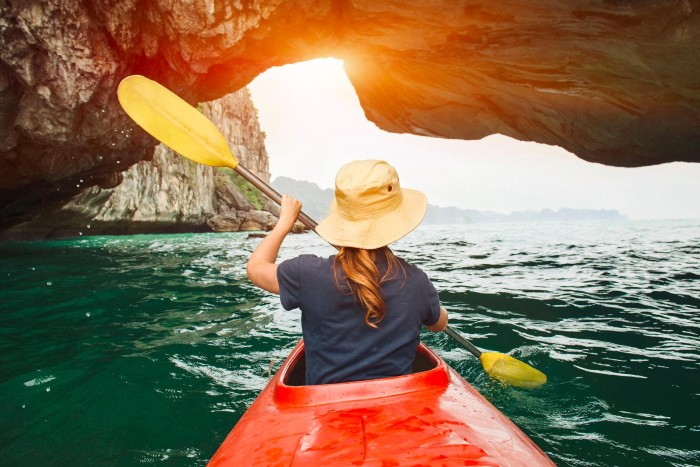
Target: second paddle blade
511, 370
174, 122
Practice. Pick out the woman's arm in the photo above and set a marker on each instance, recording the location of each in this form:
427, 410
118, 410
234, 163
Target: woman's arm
441, 322
262, 270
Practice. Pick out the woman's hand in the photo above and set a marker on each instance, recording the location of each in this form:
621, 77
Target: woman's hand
441, 322
289, 211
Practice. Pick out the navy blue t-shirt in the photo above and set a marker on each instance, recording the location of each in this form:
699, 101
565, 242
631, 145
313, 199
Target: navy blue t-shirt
339, 345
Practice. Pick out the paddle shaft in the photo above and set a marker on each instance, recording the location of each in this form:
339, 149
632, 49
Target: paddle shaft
311, 224
272, 194
465, 343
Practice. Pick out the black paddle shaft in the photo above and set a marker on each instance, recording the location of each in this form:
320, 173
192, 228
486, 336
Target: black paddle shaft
465, 343
311, 224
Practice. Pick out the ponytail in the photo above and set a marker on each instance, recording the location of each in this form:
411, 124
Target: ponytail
363, 280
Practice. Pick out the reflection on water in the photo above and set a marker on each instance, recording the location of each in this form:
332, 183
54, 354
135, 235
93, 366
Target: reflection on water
147, 349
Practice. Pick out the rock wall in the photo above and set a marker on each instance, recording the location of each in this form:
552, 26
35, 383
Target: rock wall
613, 82
237, 119
168, 193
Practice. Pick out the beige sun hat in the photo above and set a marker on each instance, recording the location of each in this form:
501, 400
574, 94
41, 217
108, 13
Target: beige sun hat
370, 209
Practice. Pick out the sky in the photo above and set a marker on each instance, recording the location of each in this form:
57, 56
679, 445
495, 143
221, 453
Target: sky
315, 124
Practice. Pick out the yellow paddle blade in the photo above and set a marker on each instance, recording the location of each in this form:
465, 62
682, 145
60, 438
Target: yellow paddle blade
174, 122
511, 370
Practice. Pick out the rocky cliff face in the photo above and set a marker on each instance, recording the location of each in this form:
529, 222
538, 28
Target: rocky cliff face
168, 193
237, 119
613, 82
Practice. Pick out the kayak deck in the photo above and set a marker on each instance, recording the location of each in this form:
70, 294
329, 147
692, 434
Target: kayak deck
430, 417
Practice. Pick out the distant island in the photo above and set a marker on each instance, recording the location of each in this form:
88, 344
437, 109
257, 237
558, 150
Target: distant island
317, 201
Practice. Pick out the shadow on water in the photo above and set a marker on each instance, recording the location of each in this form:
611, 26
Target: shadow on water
148, 349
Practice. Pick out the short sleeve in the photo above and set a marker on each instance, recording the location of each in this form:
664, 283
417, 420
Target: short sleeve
289, 278
432, 312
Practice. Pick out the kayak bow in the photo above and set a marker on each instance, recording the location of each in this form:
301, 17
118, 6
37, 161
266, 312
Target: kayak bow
430, 417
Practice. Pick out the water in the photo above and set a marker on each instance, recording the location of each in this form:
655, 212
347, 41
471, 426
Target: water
147, 349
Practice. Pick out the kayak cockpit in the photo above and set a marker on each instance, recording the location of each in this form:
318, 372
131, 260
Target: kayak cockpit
429, 373
296, 376
430, 417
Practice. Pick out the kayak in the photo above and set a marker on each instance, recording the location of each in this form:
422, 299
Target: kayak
431, 417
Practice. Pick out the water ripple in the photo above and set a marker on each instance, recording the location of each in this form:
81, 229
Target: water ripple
134, 335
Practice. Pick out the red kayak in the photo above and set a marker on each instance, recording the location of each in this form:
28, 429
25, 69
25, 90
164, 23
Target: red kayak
432, 417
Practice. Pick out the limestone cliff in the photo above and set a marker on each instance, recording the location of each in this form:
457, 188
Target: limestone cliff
168, 193
611, 81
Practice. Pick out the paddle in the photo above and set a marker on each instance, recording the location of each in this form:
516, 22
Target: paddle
188, 132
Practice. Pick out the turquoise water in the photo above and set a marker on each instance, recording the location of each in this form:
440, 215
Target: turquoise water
147, 349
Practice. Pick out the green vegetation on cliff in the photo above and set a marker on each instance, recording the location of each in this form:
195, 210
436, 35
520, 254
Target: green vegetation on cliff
251, 193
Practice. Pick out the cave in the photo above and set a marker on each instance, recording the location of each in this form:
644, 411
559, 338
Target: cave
612, 82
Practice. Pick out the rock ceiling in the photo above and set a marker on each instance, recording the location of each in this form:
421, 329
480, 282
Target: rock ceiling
614, 82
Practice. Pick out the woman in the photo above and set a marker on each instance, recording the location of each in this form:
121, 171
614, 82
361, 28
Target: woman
362, 309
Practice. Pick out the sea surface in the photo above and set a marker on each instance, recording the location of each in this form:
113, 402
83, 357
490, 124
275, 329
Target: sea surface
147, 349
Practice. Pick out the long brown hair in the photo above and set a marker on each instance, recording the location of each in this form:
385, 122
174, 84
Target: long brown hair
363, 280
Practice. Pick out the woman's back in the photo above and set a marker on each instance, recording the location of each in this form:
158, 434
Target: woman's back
363, 309
340, 345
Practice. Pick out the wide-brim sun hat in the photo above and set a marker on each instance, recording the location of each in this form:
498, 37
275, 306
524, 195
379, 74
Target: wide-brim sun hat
370, 209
